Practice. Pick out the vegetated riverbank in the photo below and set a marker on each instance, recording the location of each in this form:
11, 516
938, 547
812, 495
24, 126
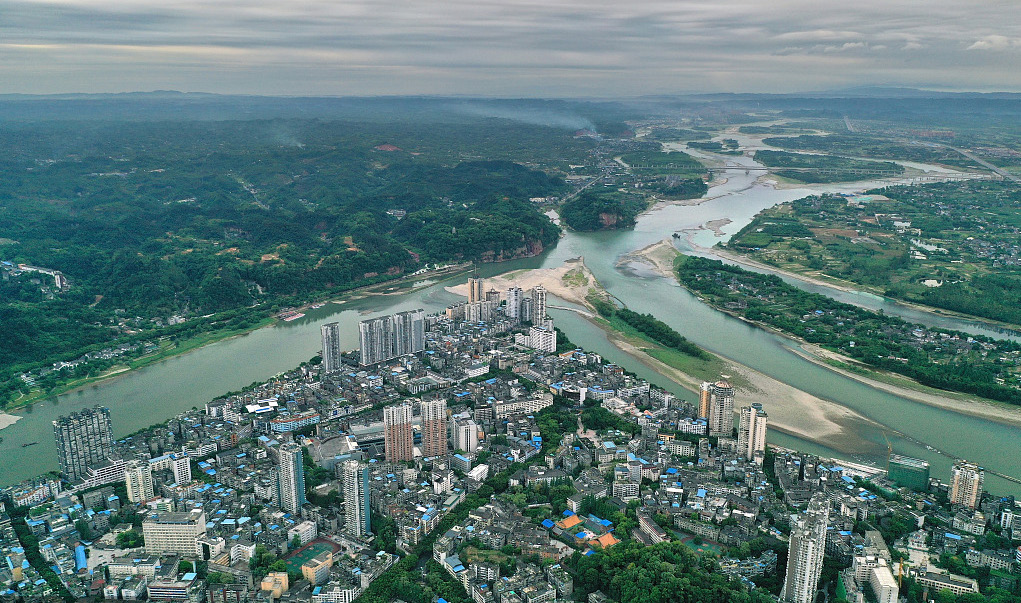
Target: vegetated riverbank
167, 350
897, 384
170, 349
658, 254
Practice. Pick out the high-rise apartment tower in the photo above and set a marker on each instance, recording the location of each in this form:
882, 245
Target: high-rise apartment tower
475, 292
721, 409
966, 484
399, 439
434, 427
331, 347
138, 475
751, 433
291, 478
807, 546
356, 498
389, 337
83, 440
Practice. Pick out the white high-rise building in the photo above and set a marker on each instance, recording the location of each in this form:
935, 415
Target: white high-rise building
174, 533
884, 585
513, 307
966, 484
751, 433
721, 409
466, 435
807, 546
138, 475
178, 462
356, 498
389, 337
543, 339
538, 304
331, 347
291, 478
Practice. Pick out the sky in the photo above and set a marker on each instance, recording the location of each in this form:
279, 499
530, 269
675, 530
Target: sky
544, 48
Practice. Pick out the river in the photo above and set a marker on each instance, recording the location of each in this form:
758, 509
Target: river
162, 390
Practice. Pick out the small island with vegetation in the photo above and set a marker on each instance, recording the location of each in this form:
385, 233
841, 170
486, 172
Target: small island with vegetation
591, 211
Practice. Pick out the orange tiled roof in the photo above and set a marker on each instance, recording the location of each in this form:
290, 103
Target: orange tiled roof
570, 522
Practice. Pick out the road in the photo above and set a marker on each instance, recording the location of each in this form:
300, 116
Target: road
985, 164
578, 192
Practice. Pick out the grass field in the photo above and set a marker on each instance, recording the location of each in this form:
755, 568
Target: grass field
298, 558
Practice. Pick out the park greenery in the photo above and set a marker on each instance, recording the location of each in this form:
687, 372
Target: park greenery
668, 571
222, 223
937, 358
951, 245
649, 326
669, 134
651, 159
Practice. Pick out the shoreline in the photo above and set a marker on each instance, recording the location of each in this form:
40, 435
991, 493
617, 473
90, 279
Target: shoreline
6, 420
991, 410
200, 341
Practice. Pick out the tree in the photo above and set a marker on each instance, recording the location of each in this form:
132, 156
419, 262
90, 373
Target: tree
130, 539
220, 578
84, 530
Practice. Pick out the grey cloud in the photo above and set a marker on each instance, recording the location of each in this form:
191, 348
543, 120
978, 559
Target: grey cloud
517, 47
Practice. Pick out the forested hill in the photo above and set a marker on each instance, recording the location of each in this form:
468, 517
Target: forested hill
150, 220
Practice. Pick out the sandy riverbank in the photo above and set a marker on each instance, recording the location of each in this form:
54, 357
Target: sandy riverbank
791, 410
7, 420
659, 257
991, 410
571, 281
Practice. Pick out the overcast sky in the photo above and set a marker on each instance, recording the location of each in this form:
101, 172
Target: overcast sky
506, 47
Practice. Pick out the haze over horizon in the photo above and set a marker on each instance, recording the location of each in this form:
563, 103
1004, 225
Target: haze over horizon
515, 48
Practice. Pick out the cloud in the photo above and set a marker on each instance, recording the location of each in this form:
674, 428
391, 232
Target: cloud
510, 47
845, 47
995, 42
